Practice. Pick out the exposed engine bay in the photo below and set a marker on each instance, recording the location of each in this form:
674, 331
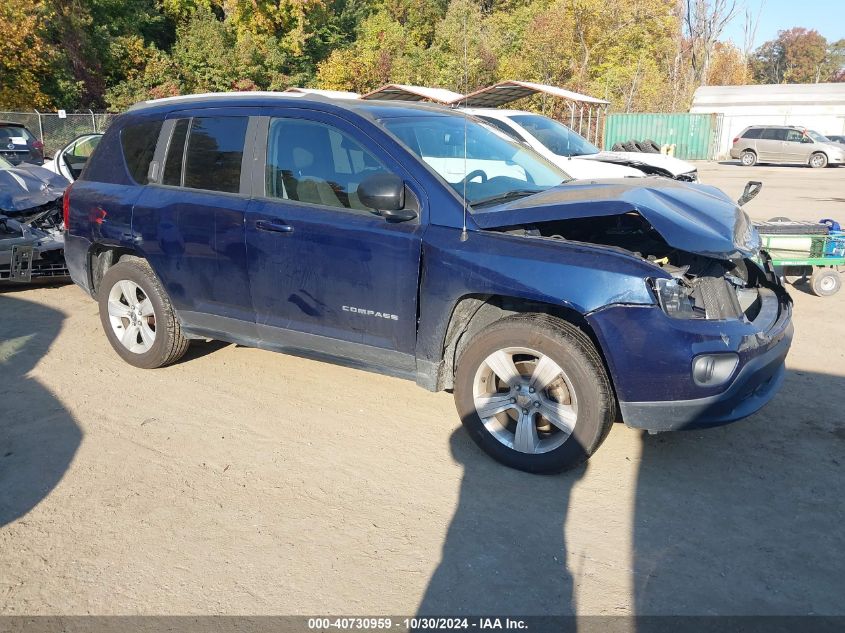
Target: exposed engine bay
701, 287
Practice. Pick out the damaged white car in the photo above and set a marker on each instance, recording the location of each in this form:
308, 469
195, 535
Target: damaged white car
31, 229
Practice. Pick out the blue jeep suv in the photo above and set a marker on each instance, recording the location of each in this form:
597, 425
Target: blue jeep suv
419, 242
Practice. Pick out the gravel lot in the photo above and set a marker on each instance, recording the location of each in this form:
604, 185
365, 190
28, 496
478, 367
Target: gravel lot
246, 482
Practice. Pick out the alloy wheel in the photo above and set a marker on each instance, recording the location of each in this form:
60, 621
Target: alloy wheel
525, 400
131, 316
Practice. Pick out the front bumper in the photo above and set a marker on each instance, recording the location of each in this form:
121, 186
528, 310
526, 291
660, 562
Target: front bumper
752, 388
651, 356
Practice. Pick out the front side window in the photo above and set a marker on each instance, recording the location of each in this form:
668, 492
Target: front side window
558, 138
214, 153
474, 159
139, 143
794, 136
313, 162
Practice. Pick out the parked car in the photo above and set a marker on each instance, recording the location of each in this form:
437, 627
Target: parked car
575, 154
785, 144
72, 158
31, 230
551, 307
19, 145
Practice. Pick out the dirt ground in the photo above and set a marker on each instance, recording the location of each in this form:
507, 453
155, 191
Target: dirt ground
241, 481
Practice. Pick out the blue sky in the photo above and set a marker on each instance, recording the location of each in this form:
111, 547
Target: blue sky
826, 16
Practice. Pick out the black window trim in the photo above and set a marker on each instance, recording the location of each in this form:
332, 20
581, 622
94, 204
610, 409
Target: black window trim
245, 190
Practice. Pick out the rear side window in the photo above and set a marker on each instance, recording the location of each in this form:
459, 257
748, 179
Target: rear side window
774, 134
139, 144
214, 154
753, 133
175, 154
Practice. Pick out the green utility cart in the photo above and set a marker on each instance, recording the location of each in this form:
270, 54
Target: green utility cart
814, 250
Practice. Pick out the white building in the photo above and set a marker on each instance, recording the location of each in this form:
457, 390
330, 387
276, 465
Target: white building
819, 107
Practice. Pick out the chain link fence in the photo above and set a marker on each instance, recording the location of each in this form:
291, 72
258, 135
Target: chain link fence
56, 131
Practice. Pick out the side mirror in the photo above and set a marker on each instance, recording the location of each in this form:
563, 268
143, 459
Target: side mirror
385, 194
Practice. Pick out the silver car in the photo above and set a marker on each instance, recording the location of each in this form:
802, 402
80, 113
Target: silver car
785, 144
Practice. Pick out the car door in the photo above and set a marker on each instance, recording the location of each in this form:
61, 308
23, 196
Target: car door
770, 145
71, 160
797, 147
190, 219
326, 274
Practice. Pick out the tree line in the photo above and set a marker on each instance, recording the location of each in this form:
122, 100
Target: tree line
642, 55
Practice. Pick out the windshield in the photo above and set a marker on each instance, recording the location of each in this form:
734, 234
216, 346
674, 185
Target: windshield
496, 168
557, 138
818, 138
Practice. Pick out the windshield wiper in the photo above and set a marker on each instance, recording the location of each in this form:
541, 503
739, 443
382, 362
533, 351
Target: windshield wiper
514, 194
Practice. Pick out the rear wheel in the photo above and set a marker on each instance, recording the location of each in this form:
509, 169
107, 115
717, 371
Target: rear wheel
533, 393
748, 158
137, 316
825, 282
818, 160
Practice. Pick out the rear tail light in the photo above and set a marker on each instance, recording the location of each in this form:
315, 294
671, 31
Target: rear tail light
38, 145
66, 207
735, 140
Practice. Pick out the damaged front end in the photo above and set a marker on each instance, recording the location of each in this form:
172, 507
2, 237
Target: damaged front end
31, 225
694, 286
710, 349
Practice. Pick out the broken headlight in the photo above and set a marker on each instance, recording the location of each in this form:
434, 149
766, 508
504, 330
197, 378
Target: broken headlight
675, 298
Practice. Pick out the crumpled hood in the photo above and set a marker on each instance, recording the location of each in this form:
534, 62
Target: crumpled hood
691, 217
27, 186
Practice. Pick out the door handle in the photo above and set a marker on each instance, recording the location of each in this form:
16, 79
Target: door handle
268, 225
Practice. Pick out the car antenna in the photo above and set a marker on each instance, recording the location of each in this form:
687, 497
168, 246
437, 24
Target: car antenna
464, 234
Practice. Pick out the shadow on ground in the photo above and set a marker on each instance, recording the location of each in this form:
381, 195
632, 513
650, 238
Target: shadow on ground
38, 436
505, 550
747, 519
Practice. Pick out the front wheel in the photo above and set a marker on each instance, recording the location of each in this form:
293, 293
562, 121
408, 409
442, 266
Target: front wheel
533, 393
818, 160
137, 316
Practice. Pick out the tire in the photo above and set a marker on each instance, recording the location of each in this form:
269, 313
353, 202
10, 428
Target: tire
748, 158
617, 147
825, 282
630, 146
129, 276
818, 160
514, 410
654, 148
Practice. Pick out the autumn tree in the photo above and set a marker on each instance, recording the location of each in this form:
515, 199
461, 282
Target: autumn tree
21, 68
798, 55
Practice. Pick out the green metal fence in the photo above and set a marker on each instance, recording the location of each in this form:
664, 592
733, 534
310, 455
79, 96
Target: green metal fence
695, 136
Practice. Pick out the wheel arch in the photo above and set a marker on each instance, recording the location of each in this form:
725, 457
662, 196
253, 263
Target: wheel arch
472, 313
101, 257
819, 151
